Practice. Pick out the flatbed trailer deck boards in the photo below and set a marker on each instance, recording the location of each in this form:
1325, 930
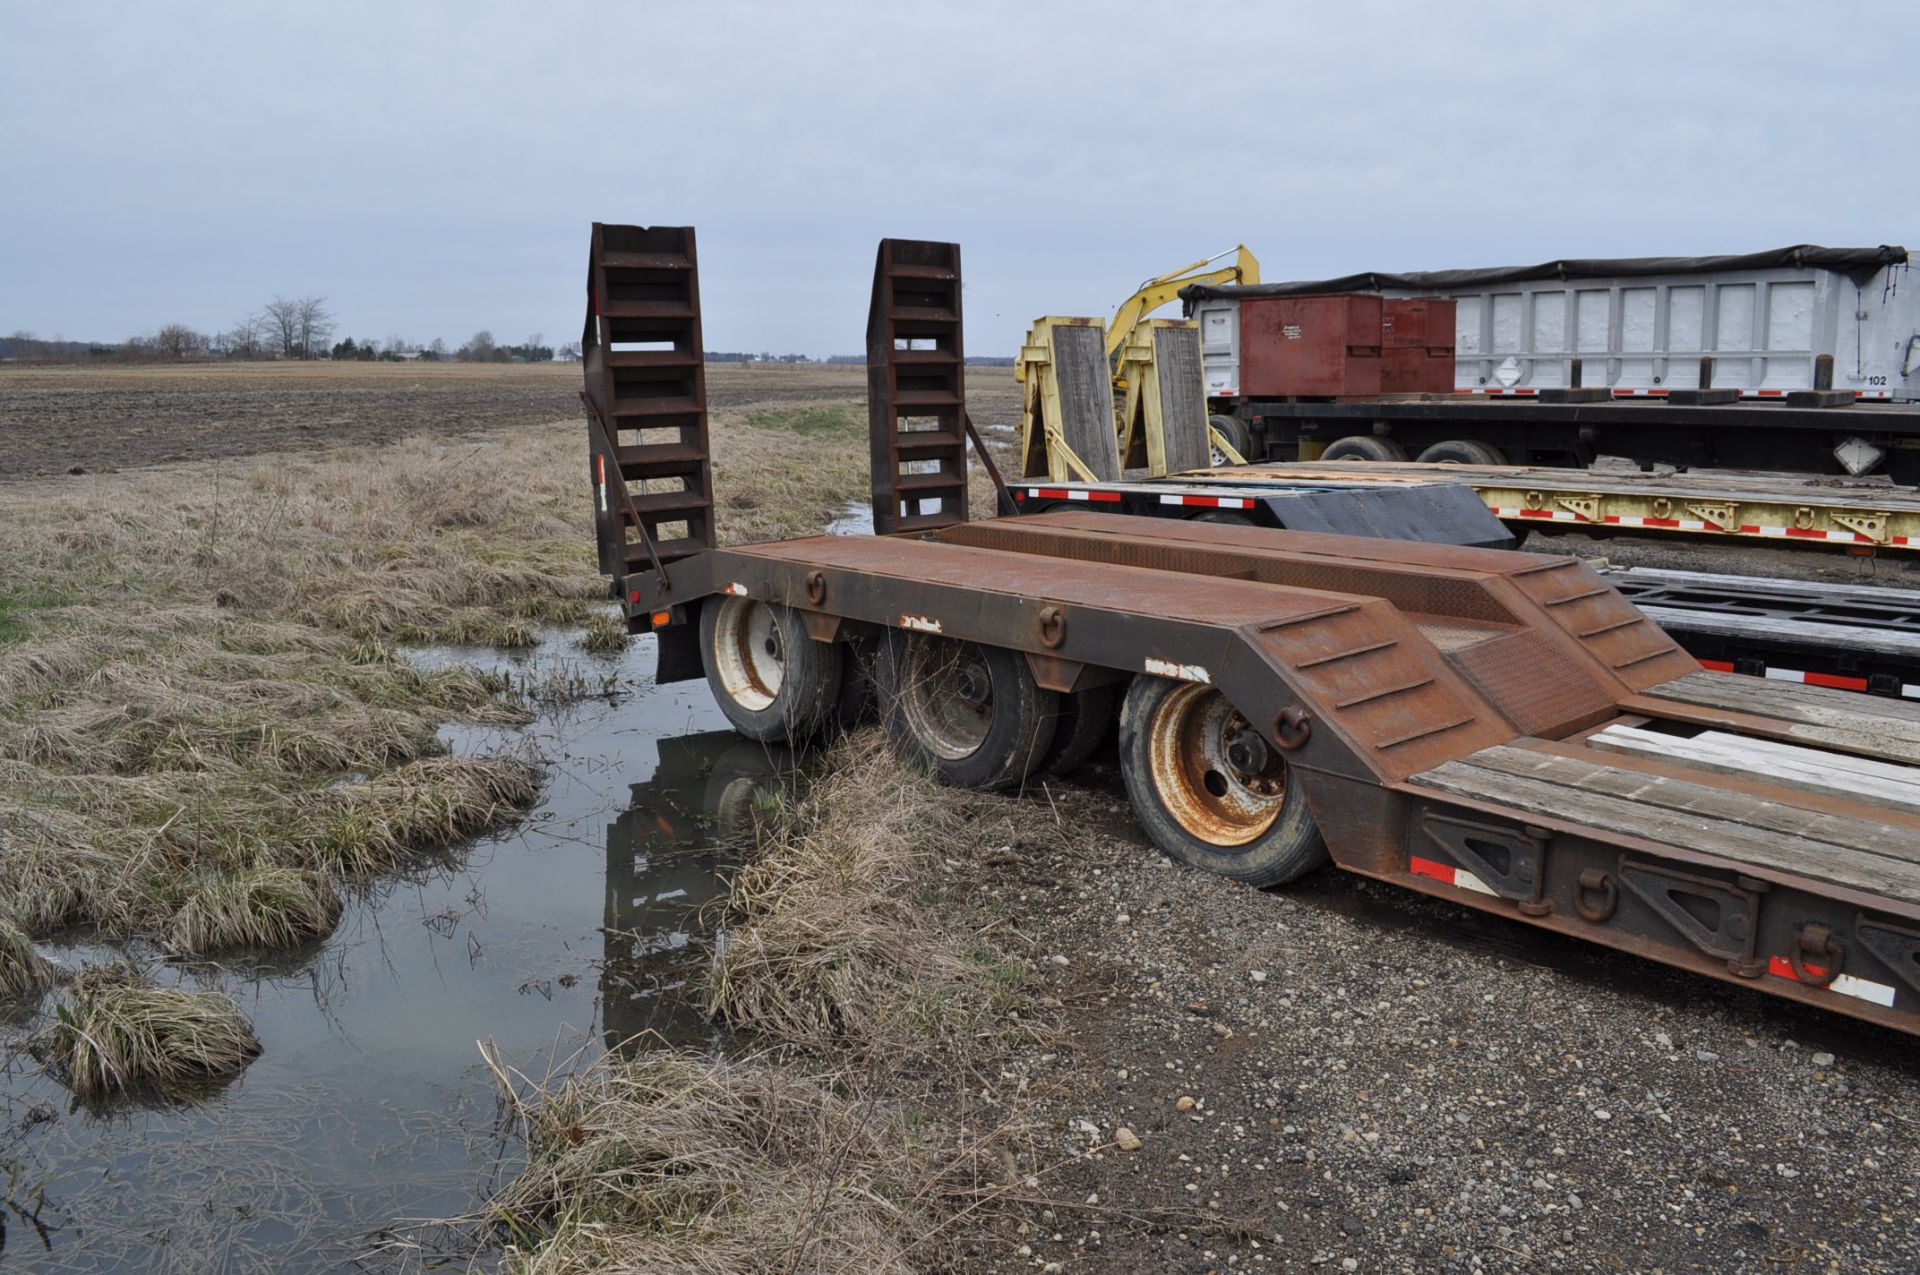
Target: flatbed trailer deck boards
1500, 729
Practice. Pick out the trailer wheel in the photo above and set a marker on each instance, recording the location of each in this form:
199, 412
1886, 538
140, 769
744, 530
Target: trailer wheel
970, 713
1085, 718
1364, 447
1209, 791
1461, 451
1224, 517
772, 681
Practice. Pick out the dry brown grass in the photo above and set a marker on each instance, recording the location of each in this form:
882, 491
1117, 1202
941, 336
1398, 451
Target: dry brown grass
198, 678
833, 943
677, 1164
119, 1033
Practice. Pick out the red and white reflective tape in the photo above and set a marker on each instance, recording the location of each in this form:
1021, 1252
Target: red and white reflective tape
1552, 515
1209, 502
1065, 493
1670, 524
1845, 984
600, 474
1838, 681
1447, 874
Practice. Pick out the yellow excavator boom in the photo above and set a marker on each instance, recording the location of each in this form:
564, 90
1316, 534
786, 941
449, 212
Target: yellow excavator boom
1157, 291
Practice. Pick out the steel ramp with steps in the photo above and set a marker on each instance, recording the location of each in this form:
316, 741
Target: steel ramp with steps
646, 391
917, 387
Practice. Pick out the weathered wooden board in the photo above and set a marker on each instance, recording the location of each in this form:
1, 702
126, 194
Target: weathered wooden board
1839, 774
1768, 813
1741, 843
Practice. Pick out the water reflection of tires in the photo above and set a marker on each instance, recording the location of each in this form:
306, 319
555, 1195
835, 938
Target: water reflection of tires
740, 775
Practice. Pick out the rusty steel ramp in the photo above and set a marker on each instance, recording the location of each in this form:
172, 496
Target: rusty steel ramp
1500, 729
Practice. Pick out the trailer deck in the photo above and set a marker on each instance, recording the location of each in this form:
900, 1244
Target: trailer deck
1501, 729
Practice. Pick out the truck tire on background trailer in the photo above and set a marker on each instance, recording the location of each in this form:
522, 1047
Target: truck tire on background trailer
1460, 451
773, 682
1364, 447
1195, 805
1225, 517
1085, 718
970, 713
1235, 431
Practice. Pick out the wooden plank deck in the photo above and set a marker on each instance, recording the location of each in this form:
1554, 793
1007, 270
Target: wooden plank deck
1844, 851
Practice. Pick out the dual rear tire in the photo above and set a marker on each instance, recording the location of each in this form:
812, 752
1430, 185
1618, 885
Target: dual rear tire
1208, 789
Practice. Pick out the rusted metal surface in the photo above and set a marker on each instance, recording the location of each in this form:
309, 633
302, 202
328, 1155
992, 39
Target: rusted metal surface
646, 395
917, 387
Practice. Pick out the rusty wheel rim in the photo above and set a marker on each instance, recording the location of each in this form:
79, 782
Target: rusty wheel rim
947, 694
749, 654
1210, 797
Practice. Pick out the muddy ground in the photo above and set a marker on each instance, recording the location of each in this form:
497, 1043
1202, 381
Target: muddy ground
56, 418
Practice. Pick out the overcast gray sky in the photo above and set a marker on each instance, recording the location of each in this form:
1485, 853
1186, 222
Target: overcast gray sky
432, 169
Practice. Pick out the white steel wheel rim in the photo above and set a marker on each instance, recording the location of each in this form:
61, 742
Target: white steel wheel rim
947, 695
749, 653
1204, 792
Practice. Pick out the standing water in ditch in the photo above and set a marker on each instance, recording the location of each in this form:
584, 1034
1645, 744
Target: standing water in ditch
370, 1104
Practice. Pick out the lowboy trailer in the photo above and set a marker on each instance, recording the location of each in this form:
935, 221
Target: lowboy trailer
1500, 729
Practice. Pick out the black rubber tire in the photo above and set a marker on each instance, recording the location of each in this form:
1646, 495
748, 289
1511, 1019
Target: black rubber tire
1085, 718
1287, 850
859, 700
1224, 517
810, 673
1018, 735
1364, 447
1462, 451
1235, 431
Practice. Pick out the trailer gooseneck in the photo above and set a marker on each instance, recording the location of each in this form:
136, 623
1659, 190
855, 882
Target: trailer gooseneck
1500, 729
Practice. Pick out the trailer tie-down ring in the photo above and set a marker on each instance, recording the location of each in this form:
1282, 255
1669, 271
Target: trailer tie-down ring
1292, 727
816, 588
1053, 627
1596, 881
1817, 940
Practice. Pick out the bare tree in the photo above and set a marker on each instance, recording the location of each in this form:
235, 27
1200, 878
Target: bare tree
569, 352
315, 325
249, 333
178, 341
479, 348
282, 317
301, 325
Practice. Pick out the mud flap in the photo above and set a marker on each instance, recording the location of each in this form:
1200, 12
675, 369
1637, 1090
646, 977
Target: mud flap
679, 654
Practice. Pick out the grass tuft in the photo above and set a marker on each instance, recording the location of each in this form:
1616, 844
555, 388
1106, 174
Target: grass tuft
827, 947
606, 634
24, 973
119, 1033
264, 906
690, 1164
373, 827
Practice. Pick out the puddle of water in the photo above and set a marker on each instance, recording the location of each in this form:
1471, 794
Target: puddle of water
370, 1104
